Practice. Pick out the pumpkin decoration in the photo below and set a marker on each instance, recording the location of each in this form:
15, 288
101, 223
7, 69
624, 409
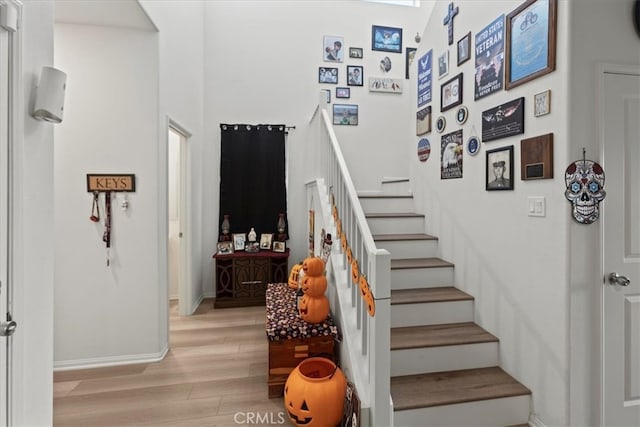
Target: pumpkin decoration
355, 271
363, 285
370, 302
343, 240
294, 276
313, 266
349, 256
313, 309
335, 212
314, 393
314, 286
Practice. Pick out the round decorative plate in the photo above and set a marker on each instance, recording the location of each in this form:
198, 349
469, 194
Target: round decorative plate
424, 149
461, 115
441, 123
473, 146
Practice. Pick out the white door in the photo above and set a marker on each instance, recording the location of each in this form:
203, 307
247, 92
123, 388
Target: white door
4, 224
621, 232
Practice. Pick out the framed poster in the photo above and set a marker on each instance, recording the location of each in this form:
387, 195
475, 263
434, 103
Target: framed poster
451, 93
423, 121
489, 47
451, 155
499, 169
531, 42
424, 78
503, 121
386, 39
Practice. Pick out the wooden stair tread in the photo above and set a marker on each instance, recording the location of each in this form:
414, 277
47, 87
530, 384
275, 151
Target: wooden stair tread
384, 196
404, 263
439, 335
427, 295
393, 215
406, 236
452, 387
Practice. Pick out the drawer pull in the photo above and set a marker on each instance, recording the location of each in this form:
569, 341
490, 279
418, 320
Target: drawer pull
251, 282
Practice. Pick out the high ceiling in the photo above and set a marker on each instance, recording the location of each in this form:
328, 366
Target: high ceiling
112, 13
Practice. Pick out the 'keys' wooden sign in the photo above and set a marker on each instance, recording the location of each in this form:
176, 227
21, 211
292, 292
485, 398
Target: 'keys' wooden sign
111, 182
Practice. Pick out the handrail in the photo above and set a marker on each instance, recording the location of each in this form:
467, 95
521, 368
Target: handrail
365, 352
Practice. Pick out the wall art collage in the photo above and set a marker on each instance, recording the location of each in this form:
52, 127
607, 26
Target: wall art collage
510, 50
386, 42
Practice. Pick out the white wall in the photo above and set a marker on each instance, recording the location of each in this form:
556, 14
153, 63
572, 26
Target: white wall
613, 41
33, 254
110, 126
261, 66
514, 265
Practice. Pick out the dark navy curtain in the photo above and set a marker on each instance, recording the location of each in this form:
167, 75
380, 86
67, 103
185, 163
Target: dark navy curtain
252, 177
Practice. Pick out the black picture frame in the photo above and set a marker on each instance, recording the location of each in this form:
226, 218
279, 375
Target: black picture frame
386, 39
343, 92
499, 169
451, 93
503, 121
328, 75
355, 52
355, 75
530, 48
464, 49
410, 54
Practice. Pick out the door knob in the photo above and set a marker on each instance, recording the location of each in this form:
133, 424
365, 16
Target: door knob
7, 328
616, 279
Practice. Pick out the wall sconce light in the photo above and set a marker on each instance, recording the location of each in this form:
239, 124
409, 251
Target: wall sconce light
49, 104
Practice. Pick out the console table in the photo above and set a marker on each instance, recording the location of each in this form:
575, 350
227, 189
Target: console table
242, 277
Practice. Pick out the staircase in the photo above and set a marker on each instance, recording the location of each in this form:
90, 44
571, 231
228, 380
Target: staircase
444, 367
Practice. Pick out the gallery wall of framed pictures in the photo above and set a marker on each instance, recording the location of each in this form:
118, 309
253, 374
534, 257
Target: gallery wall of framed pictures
509, 50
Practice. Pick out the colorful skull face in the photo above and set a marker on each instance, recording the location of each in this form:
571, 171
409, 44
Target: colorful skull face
585, 189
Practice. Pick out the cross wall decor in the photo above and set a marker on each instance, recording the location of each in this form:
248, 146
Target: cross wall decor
448, 20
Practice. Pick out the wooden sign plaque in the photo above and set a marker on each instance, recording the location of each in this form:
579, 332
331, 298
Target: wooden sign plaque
536, 157
111, 182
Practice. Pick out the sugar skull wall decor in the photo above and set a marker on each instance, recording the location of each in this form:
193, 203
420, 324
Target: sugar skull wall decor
585, 189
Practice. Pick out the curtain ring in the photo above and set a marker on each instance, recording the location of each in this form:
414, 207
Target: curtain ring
269, 127
224, 127
281, 128
235, 127
248, 127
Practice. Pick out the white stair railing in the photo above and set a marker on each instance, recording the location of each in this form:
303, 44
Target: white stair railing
365, 349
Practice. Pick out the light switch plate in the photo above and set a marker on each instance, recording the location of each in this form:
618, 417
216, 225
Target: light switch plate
536, 206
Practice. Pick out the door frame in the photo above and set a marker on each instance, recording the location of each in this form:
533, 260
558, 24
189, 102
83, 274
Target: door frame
185, 296
602, 70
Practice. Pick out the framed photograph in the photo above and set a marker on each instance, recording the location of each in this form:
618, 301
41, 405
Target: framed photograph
344, 114
239, 241
225, 248
252, 247
328, 95
386, 39
279, 246
503, 121
332, 48
385, 84
443, 64
451, 93
328, 75
536, 157
542, 103
451, 150
265, 241
423, 121
343, 92
530, 42
355, 52
499, 169
410, 54
464, 49
354, 75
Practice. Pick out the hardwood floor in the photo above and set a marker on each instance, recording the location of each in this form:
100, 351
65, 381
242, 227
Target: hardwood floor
215, 374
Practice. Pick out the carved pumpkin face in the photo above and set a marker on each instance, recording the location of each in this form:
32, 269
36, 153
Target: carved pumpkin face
355, 272
363, 285
314, 393
343, 240
314, 286
313, 309
370, 302
349, 256
313, 266
293, 276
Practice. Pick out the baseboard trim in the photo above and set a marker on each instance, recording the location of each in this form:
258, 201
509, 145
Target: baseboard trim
534, 421
195, 306
103, 362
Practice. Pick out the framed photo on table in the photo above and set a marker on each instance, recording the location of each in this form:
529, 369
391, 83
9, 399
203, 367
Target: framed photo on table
531, 42
265, 241
225, 248
239, 241
279, 246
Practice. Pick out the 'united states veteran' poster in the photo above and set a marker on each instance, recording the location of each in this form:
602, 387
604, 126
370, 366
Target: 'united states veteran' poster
489, 59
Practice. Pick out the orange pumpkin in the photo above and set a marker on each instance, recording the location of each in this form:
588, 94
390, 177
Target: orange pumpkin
370, 302
355, 272
314, 393
349, 256
314, 286
313, 309
313, 266
343, 240
335, 213
293, 276
363, 285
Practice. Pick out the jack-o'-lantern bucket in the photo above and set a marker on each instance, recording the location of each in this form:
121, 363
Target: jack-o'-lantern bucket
314, 393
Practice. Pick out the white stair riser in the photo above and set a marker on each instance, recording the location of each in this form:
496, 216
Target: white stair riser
409, 278
434, 313
446, 358
396, 225
490, 413
387, 205
410, 248
396, 187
